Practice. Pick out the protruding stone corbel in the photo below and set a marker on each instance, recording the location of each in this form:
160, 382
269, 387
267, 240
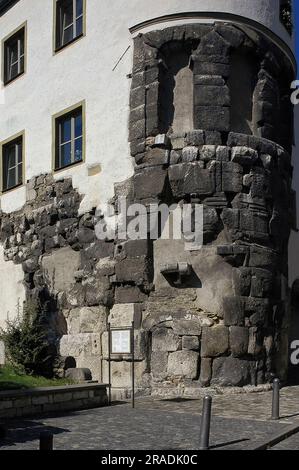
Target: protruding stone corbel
176, 272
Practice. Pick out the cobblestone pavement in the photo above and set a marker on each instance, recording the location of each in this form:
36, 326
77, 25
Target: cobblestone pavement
239, 422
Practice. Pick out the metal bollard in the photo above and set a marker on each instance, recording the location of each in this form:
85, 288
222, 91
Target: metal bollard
275, 399
46, 441
205, 424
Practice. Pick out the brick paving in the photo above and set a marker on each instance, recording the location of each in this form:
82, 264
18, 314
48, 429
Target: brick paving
239, 422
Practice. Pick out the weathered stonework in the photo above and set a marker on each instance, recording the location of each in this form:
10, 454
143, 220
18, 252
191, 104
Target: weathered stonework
224, 325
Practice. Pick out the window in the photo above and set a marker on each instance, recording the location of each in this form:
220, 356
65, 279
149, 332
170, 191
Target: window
286, 15
12, 164
69, 21
69, 135
14, 56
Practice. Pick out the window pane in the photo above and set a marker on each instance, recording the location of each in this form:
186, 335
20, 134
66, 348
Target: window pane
68, 35
11, 156
79, 8
11, 179
13, 72
66, 155
65, 127
79, 30
78, 125
78, 149
67, 12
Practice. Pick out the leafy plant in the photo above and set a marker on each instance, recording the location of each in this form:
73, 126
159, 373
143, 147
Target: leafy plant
26, 342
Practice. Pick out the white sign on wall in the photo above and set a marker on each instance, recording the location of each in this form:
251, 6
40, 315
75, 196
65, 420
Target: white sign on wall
120, 341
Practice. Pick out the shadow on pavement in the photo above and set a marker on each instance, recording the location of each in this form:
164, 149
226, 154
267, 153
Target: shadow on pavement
26, 430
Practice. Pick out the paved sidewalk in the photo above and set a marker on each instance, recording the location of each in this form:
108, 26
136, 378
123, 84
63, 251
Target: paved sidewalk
239, 422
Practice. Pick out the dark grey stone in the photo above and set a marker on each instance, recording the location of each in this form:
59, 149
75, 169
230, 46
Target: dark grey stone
239, 340
149, 183
212, 118
234, 311
214, 341
242, 281
205, 371
196, 138
231, 372
232, 177
210, 94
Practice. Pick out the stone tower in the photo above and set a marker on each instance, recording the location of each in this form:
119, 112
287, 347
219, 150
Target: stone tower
210, 123
218, 92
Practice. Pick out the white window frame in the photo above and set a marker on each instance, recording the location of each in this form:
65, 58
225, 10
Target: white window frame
17, 167
18, 39
73, 139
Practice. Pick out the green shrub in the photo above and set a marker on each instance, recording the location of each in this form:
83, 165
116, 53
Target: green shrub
26, 342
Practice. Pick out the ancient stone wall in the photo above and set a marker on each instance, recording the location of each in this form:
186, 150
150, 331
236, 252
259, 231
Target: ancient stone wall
225, 322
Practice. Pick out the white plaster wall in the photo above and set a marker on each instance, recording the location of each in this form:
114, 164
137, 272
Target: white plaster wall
11, 282
84, 71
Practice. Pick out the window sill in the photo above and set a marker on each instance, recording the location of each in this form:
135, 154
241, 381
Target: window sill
71, 165
70, 43
6, 191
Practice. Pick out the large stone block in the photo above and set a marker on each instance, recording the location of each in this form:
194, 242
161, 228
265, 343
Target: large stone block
159, 361
149, 183
214, 341
122, 315
262, 257
258, 311
191, 178
121, 373
60, 267
212, 118
239, 339
83, 344
187, 327
205, 371
231, 218
163, 339
211, 94
231, 372
86, 320
256, 341
232, 177
262, 283
132, 270
244, 156
183, 364
234, 311
242, 281
191, 343
78, 375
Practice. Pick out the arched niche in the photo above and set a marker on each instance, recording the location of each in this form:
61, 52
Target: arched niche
175, 89
241, 83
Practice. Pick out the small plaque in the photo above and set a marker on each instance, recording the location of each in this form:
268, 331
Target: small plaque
120, 341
